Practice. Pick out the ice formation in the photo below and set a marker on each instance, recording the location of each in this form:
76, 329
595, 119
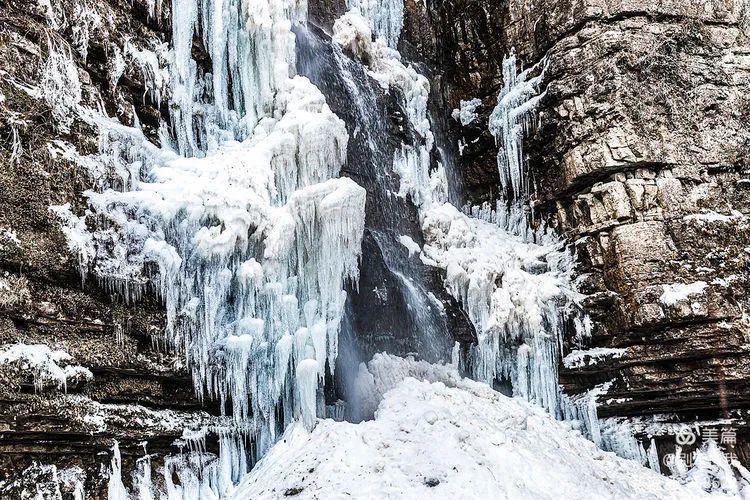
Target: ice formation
513, 281
444, 437
411, 162
511, 120
243, 226
385, 18
47, 367
512, 290
384, 372
47, 481
466, 114
60, 86
248, 235
411, 246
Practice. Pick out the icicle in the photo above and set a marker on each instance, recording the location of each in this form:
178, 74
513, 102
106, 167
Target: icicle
116, 489
60, 86
307, 386
511, 120
653, 457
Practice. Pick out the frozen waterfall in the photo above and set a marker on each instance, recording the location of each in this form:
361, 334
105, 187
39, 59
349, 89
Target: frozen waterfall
240, 222
240, 219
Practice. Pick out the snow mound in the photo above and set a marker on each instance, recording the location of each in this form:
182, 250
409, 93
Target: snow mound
466, 441
385, 371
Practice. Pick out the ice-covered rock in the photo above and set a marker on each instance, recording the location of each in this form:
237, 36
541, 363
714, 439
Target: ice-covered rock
46, 367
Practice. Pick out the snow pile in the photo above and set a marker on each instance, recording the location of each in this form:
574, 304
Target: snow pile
384, 372
467, 112
432, 440
48, 367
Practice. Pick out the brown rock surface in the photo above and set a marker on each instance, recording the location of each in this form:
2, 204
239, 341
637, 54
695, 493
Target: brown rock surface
640, 160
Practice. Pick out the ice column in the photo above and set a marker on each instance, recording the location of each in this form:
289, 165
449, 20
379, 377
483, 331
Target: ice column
385, 17
511, 120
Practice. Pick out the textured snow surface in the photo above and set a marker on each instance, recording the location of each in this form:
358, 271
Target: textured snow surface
450, 439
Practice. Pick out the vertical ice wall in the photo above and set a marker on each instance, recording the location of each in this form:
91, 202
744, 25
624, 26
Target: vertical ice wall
243, 226
251, 47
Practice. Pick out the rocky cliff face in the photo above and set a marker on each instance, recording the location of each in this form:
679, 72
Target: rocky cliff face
639, 159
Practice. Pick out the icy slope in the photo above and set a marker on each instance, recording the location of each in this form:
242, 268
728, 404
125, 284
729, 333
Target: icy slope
432, 440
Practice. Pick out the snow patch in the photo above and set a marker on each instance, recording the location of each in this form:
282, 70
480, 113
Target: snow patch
589, 357
47, 367
680, 292
411, 246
